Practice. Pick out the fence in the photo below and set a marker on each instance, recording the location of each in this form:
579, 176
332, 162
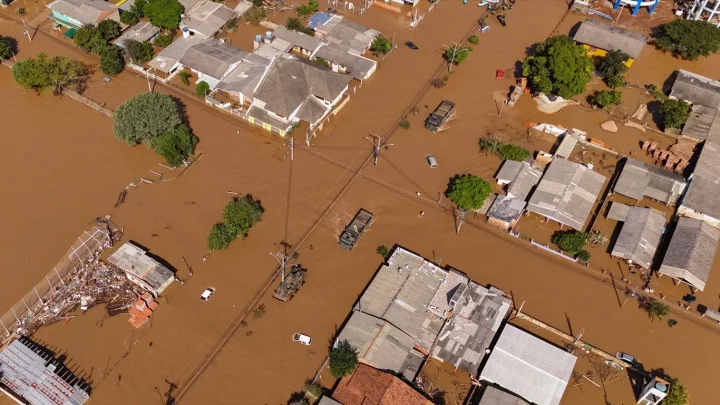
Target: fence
87, 246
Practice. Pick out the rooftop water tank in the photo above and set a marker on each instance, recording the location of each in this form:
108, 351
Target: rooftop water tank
660, 386
185, 32
258, 38
590, 166
268, 34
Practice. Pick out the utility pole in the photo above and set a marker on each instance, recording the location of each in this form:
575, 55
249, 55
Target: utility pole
292, 148
452, 61
307, 137
282, 258
21, 12
377, 143
459, 219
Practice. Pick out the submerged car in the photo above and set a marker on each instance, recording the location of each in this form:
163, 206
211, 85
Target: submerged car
626, 358
207, 294
302, 339
411, 45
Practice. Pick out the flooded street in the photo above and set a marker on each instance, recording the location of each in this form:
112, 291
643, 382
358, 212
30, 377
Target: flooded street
67, 168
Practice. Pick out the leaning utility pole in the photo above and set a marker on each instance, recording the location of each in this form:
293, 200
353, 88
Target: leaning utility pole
455, 49
377, 143
459, 219
21, 12
282, 258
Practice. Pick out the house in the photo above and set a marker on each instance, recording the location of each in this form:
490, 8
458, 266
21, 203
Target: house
505, 212
566, 193
508, 172
527, 178
476, 318
369, 386
240, 83
74, 14
638, 179
599, 38
701, 199
691, 252
141, 32
529, 367
567, 145
30, 374
290, 40
487, 204
345, 34
167, 63
696, 89
206, 18
701, 122
344, 61
640, 235
494, 396
142, 269
296, 90
212, 60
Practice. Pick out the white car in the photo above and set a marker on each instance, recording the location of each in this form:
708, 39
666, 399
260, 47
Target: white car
626, 358
302, 339
207, 294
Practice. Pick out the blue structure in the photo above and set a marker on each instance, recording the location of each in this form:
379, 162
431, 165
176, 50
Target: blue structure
636, 4
318, 19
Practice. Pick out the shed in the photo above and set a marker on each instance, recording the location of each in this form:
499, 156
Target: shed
505, 212
640, 236
696, 89
529, 367
638, 179
691, 252
567, 145
142, 269
606, 37
508, 171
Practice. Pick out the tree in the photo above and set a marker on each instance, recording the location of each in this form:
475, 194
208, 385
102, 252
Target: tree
295, 25
490, 144
469, 192
513, 152
219, 237
176, 145
343, 359
185, 77
457, 54
306, 10
109, 29
404, 124
382, 250
145, 117
314, 389
202, 89
241, 214
559, 67
88, 37
128, 17
675, 113
473, 39
162, 40
677, 394
570, 241
583, 256
256, 15
688, 39
111, 60
655, 309
612, 67
606, 98
7, 47
596, 237
164, 13
138, 8
380, 45
139, 52
58, 73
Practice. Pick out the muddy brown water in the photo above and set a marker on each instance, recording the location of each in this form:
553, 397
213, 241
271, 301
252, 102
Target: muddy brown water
49, 205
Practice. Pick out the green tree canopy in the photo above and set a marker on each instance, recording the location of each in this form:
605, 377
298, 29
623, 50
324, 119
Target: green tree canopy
583, 256
139, 52
88, 37
677, 394
675, 113
296, 25
380, 45
111, 60
129, 18
202, 89
109, 29
164, 13
7, 47
145, 117
460, 54
241, 214
469, 192
138, 8
162, 40
57, 73
558, 66
343, 359
176, 145
655, 309
606, 98
688, 39
305, 10
612, 67
570, 241
256, 15
513, 152
219, 237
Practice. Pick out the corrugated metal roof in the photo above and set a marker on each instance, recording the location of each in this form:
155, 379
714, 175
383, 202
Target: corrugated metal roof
141, 32
640, 236
567, 145
509, 170
297, 38
328, 401
696, 89
609, 37
212, 57
527, 178
494, 396
506, 209
691, 252
638, 179
701, 121
168, 57
529, 367
135, 261
357, 66
207, 18
85, 11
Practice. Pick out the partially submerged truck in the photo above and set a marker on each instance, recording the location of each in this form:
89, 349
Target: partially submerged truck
355, 229
291, 284
440, 115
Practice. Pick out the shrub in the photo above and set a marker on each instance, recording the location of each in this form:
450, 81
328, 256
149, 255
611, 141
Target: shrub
439, 83
688, 39
490, 144
314, 389
473, 39
128, 17
672, 323
322, 62
468, 192
176, 145
231, 25
513, 152
139, 52
185, 77
295, 25
656, 92
675, 113
7, 47
655, 309
58, 73
256, 15
343, 359
109, 29
111, 60
558, 66
677, 394
202, 89
570, 241
306, 10
615, 81
405, 124
380, 45
164, 13
606, 98
583, 256
162, 40
382, 250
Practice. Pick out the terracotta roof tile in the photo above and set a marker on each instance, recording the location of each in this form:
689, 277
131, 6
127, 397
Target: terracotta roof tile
369, 386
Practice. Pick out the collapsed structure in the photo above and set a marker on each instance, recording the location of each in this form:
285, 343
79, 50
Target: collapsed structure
142, 269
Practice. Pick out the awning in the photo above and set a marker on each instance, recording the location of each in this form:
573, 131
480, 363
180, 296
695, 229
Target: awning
70, 33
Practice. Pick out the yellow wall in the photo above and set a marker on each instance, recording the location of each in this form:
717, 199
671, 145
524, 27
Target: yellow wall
601, 52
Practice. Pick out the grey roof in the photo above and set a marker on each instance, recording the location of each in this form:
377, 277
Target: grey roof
312, 110
494, 396
506, 209
134, 260
351, 35
702, 122
477, 317
618, 211
696, 89
640, 236
529, 367
449, 292
388, 281
704, 188
212, 57
566, 193
245, 76
509, 170
609, 37
638, 179
297, 38
188, 4
85, 11
289, 83
526, 179
329, 401
487, 204
166, 59
691, 252
357, 66
567, 145
207, 18
141, 32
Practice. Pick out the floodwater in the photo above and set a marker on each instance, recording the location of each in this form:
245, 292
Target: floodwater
260, 364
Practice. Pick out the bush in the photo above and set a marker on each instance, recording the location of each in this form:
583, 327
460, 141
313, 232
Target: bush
382, 250
58, 73
109, 29
615, 81
139, 52
380, 45
162, 40
219, 237
146, 117
314, 389
656, 92
688, 39
675, 113
570, 241
164, 13
439, 83
176, 145
343, 359
677, 394
559, 66
655, 309
606, 98
88, 38
202, 89
128, 17
111, 60
490, 144
256, 15
584, 256
322, 62
404, 124
513, 152
469, 192
231, 25
295, 25
461, 53
306, 10
7, 47
185, 77
473, 39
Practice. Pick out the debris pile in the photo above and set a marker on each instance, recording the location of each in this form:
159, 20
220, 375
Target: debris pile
142, 310
675, 159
